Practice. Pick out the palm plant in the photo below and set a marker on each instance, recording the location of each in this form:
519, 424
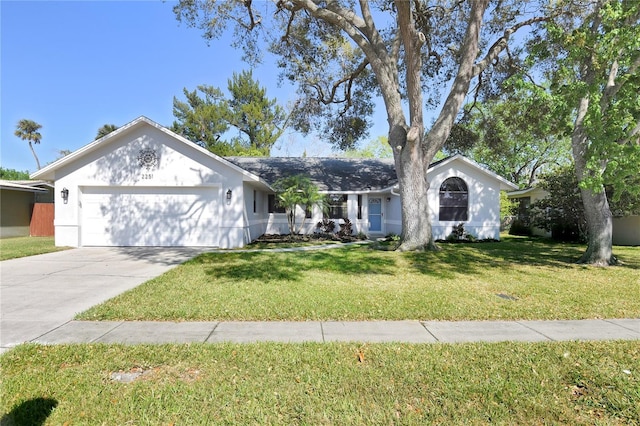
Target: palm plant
294, 191
27, 130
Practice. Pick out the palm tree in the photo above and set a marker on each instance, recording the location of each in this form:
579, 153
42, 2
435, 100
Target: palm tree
105, 130
27, 130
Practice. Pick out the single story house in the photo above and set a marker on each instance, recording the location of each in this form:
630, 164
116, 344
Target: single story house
18, 199
625, 230
143, 185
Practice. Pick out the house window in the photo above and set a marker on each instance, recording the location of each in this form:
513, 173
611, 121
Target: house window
454, 200
255, 196
308, 212
273, 207
337, 206
360, 206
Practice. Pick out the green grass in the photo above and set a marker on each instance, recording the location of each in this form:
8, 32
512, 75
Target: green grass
578, 383
11, 248
460, 282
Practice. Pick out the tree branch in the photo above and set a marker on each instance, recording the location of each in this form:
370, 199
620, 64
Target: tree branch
502, 43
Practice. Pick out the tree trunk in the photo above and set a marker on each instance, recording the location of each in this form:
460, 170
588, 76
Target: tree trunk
411, 168
412, 150
33, 151
411, 159
600, 228
596, 206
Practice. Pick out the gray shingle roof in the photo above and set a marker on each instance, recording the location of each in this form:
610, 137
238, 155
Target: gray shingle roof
329, 174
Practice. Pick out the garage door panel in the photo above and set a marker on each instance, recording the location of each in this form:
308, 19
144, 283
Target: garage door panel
149, 217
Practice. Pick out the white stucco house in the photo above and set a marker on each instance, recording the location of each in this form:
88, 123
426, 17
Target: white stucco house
143, 185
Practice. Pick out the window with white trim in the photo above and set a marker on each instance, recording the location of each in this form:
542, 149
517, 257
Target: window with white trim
454, 200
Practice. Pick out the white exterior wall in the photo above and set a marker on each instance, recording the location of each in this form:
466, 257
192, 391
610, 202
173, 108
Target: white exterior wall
484, 201
392, 208
115, 164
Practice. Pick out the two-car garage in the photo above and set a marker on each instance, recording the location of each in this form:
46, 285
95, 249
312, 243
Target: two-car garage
143, 185
149, 216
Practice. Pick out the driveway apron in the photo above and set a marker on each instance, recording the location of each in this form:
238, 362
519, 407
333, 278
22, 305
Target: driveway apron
41, 293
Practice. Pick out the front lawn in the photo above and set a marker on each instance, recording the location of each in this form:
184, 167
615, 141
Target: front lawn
11, 248
577, 383
518, 278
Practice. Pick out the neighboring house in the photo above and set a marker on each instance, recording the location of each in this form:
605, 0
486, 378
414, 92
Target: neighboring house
143, 185
17, 201
626, 230
526, 197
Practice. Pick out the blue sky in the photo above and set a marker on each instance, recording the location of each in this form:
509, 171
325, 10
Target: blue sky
73, 66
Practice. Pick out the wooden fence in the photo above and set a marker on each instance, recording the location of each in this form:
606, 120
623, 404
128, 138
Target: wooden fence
42, 220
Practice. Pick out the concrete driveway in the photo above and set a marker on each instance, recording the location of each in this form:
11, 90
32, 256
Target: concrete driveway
40, 293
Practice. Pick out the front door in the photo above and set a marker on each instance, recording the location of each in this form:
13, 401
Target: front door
375, 214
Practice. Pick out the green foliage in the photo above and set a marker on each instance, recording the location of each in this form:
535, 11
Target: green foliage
516, 136
375, 148
562, 212
294, 193
508, 207
105, 130
12, 174
520, 227
207, 115
592, 59
259, 118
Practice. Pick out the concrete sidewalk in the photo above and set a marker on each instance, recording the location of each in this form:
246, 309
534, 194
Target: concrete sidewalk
134, 332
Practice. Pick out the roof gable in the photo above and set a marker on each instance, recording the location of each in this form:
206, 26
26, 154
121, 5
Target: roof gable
447, 162
48, 172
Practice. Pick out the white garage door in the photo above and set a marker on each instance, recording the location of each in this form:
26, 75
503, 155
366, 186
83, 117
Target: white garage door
142, 216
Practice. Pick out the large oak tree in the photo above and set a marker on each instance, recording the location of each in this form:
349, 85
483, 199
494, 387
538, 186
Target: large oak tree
593, 59
342, 54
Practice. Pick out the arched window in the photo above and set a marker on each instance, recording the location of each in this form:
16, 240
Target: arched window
454, 200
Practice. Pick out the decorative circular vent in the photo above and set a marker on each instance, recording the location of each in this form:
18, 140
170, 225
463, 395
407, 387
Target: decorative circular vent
148, 158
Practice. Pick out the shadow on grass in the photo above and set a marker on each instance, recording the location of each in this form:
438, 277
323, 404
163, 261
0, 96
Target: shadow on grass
452, 260
473, 258
266, 267
33, 412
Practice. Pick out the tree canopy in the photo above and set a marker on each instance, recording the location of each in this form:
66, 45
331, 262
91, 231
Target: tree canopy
105, 130
207, 116
12, 174
515, 135
375, 148
591, 57
344, 54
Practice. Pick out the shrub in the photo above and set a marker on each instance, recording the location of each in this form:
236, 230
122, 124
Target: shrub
326, 226
519, 227
346, 228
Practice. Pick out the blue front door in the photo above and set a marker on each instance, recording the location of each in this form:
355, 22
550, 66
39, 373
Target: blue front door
375, 214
